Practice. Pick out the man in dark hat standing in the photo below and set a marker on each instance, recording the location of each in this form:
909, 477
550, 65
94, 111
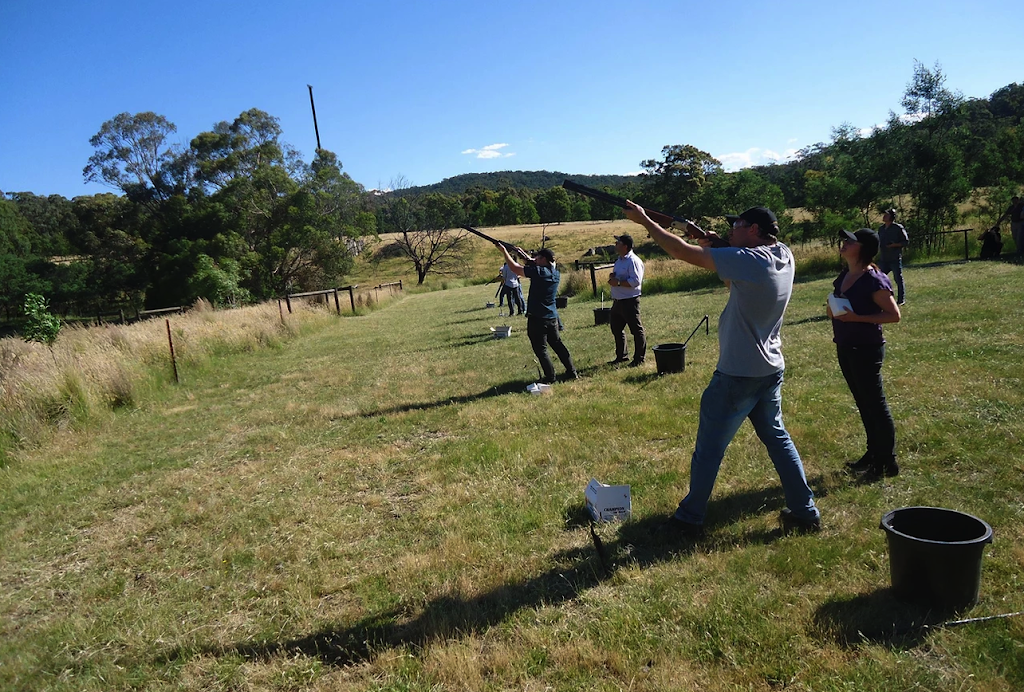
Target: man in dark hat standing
892, 238
541, 311
625, 281
747, 383
1015, 213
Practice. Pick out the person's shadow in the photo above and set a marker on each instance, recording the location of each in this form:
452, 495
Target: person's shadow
454, 615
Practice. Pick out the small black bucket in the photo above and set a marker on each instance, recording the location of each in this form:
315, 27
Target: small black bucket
935, 556
602, 315
670, 358
561, 302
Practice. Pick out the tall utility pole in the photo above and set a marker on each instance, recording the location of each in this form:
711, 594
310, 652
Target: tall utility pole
313, 106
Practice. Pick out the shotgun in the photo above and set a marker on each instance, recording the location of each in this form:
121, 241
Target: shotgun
664, 220
512, 249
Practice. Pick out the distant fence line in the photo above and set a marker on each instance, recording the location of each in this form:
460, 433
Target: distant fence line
120, 317
327, 293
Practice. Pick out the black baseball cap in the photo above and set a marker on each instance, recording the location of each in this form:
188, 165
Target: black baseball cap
865, 236
626, 239
891, 211
762, 216
545, 253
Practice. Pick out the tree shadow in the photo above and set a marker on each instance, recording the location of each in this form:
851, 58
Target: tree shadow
875, 617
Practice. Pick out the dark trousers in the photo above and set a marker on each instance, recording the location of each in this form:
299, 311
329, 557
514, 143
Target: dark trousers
626, 312
895, 267
542, 333
862, 368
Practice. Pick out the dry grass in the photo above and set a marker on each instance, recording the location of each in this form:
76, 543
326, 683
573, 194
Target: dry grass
91, 370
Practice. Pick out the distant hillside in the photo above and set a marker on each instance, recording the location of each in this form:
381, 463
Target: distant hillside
531, 180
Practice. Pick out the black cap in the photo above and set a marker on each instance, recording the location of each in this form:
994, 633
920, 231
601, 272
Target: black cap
545, 253
891, 211
762, 216
865, 236
626, 239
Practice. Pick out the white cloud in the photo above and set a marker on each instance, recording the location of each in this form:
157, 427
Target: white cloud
755, 156
491, 151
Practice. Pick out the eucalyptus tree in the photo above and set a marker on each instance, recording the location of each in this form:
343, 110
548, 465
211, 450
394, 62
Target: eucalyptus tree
930, 142
671, 183
134, 154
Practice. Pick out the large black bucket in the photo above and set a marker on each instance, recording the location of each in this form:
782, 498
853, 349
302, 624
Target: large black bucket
670, 358
935, 556
602, 315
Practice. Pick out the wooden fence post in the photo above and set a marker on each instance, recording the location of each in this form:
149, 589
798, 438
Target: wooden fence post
170, 342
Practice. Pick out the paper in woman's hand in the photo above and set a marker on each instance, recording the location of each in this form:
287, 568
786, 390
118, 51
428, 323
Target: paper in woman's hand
839, 305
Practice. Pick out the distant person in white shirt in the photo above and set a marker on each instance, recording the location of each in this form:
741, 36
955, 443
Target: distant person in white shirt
625, 280
511, 290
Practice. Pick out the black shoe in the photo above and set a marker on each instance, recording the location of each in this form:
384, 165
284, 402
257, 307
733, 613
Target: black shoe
673, 529
570, 376
618, 360
791, 523
879, 471
861, 465
636, 364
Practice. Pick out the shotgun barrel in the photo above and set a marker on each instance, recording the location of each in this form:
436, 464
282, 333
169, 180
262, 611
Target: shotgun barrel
508, 246
662, 219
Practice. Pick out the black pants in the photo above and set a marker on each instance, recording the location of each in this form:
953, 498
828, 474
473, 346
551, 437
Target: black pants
626, 312
862, 368
543, 332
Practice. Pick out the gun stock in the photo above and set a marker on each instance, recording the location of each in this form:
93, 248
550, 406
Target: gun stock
662, 219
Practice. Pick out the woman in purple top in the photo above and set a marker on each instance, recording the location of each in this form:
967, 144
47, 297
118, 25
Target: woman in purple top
860, 347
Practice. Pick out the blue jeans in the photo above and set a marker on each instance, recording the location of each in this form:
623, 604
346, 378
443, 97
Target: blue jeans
725, 403
894, 267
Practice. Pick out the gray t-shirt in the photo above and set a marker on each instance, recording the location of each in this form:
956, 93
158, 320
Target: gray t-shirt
887, 235
761, 279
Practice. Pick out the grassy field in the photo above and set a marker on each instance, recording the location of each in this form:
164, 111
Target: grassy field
375, 503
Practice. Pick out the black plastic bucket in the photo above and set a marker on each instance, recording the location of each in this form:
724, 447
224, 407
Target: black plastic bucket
561, 302
935, 556
602, 315
670, 358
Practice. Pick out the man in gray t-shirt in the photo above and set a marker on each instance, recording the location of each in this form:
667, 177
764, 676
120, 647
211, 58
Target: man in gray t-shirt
747, 383
892, 238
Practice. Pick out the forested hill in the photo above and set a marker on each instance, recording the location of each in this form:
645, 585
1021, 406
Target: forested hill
529, 180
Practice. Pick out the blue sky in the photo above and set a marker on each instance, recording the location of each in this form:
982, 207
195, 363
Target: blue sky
429, 90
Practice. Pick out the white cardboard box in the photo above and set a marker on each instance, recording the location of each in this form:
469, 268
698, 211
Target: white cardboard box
608, 502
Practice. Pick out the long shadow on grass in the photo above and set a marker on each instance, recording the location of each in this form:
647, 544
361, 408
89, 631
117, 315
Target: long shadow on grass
453, 616
443, 618
512, 387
